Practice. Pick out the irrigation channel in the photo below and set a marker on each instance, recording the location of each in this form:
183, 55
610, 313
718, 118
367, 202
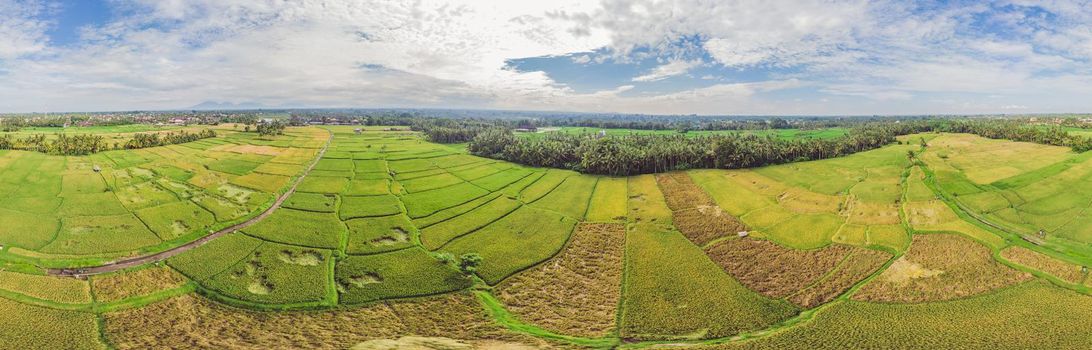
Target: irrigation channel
156, 257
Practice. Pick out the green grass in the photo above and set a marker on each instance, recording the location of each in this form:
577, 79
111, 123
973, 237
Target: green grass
223, 209
144, 195
304, 228
379, 234
425, 203
105, 203
806, 231
323, 184
27, 230
369, 206
232, 166
499, 180
608, 202
517, 241
570, 197
95, 234
368, 187
214, 257
170, 221
277, 274
400, 274
435, 236
544, 185
317, 202
426, 183
371, 166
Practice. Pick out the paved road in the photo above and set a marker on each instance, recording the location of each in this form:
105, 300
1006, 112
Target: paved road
151, 258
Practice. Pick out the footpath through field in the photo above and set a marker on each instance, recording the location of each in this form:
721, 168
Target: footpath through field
150, 258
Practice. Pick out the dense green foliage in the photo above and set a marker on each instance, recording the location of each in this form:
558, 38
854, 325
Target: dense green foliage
650, 153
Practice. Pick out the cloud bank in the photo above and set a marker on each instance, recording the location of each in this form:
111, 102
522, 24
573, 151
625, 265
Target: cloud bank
690, 56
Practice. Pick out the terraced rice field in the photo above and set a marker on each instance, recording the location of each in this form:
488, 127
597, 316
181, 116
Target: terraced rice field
858, 251
62, 210
1021, 187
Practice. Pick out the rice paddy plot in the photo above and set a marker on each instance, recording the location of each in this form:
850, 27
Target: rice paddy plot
570, 198
369, 206
379, 234
399, 274
997, 321
136, 283
517, 241
277, 274
303, 228
674, 291
215, 256
27, 327
194, 320
101, 234
435, 236
174, 220
317, 202
774, 270
577, 292
608, 202
421, 204
50, 288
860, 264
940, 267
1065, 271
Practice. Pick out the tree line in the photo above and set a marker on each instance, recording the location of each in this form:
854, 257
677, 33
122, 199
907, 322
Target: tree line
84, 144
142, 140
651, 153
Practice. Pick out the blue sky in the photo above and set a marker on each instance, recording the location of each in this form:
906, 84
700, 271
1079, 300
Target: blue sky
792, 57
70, 16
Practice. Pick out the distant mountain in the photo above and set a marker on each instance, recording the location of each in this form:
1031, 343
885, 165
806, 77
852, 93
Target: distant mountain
214, 105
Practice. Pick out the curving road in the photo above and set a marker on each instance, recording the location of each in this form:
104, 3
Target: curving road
151, 258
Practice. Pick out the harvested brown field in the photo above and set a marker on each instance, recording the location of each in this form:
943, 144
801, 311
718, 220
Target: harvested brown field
705, 224
576, 292
940, 267
681, 192
771, 269
122, 285
694, 213
191, 322
1027, 257
860, 264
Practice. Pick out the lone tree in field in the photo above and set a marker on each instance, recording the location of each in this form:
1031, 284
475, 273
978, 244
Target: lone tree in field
468, 263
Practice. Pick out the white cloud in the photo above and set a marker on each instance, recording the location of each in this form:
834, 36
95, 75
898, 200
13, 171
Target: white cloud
21, 33
670, 69
849, 56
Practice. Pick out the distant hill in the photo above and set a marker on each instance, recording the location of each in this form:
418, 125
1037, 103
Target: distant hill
214, 105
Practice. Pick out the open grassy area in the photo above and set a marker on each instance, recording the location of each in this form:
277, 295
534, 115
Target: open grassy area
119, 202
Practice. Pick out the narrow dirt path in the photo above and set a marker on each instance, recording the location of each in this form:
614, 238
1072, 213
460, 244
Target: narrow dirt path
151, 258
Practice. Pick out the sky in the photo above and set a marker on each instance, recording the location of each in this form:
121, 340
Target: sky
785, 57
